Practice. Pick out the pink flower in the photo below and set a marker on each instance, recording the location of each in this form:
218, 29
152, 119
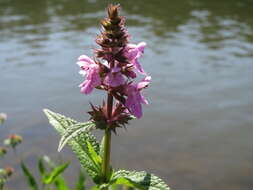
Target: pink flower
91, 70
134, 97
144, 83
133, 52
114, 78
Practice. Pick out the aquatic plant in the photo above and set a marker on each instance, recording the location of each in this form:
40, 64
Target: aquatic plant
113, 69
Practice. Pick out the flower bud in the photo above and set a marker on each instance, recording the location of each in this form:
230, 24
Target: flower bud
106, 24
3, 117
13, 140
8, 171
3, 151
113, 11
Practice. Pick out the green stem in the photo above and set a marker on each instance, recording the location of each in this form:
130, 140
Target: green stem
107, 143
106, 156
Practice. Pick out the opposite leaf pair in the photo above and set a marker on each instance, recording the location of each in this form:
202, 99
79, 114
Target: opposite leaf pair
89, 152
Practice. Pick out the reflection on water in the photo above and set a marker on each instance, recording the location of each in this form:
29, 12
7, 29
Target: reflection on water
197, 131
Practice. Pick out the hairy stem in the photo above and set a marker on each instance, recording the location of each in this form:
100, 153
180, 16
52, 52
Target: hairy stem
106, 159
107, 141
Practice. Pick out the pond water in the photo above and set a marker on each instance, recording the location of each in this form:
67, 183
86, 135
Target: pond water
197, 131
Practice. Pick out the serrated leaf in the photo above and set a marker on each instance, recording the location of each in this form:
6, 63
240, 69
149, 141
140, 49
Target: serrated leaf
29, 177
75, 130
80, 185
50, 178
61, 123
141, 180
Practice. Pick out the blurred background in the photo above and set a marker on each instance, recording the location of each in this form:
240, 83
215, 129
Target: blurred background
197, 131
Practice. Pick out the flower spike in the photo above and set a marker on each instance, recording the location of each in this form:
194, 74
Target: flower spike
114, 68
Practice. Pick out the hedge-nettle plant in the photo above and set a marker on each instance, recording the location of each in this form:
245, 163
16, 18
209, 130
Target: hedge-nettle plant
114, 69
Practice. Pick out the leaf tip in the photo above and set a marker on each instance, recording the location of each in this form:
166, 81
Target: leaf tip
59, 148
46, 111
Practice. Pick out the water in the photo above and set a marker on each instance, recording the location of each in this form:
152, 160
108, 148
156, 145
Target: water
197, 131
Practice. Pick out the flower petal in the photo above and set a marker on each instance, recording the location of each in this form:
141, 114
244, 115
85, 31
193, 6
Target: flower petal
86, 87
144, 100
134, 106
87, 59
82, 72
141, 47
138, 66
144, 83
114, 79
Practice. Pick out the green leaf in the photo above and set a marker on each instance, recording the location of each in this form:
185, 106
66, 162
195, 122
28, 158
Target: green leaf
80, 185
61, 124
141, 180
50, 178
74, 131
41, 167
59, 182
95, 188
97, 160
114, 187
29, 177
